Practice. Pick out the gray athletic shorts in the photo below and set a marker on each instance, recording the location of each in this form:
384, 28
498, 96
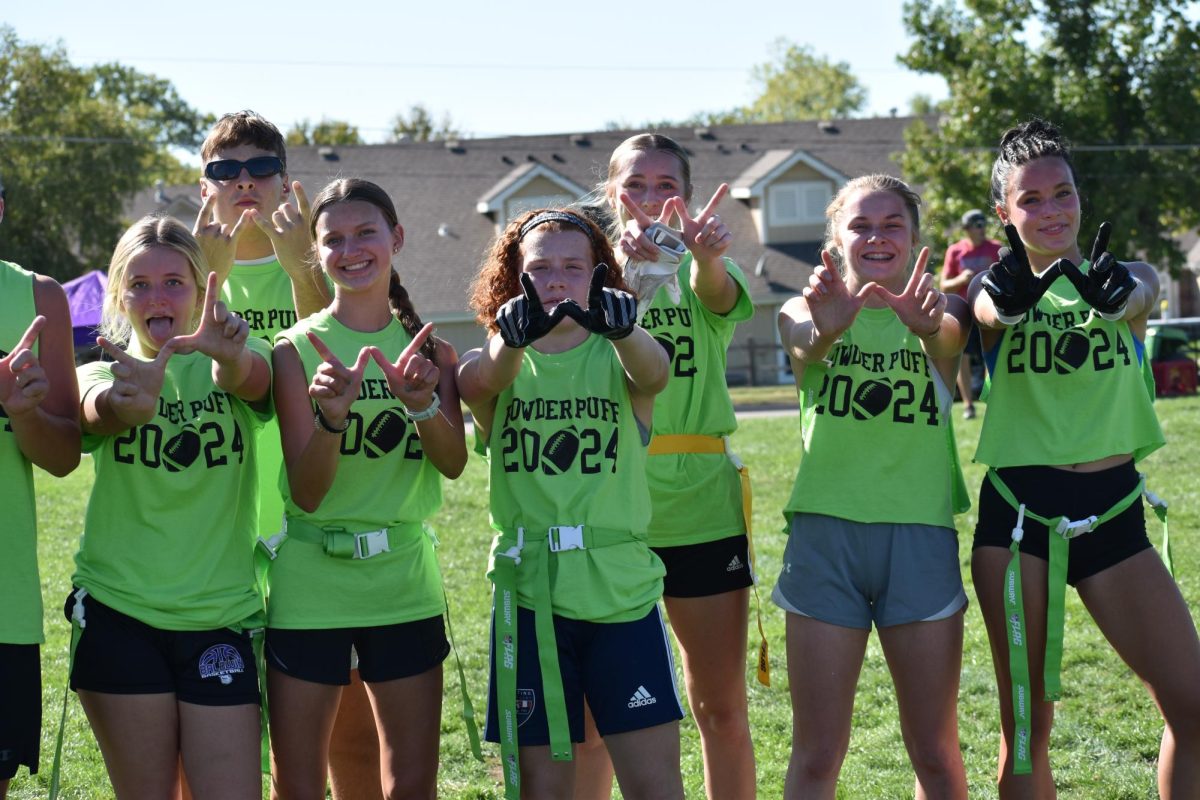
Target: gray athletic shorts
854, 573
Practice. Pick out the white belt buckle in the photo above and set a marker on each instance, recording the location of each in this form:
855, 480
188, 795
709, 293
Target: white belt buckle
565, 537
371, 543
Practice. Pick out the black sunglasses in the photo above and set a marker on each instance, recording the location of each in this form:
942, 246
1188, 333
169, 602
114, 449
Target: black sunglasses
258, 167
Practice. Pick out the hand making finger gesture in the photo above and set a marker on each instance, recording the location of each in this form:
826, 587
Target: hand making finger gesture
222, 334
335, 386
218, 242
523, 320
636, 243
611, 313
1010, 282
706, 236
23, 382
1108, 283
920, 306
288, 230
831, 306
412, 377
133, 395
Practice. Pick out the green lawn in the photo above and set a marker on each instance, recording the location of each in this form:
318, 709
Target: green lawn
1106, 736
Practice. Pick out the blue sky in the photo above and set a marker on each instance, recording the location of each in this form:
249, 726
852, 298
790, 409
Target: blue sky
496, 68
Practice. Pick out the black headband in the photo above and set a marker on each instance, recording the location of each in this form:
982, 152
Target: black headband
557, 216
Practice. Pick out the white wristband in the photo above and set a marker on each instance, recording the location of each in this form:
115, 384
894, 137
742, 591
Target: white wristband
428, 413
1009, 321
1115, 316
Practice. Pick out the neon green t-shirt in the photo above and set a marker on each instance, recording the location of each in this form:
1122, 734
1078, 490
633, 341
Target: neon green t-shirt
20, 588
878, 446
1067, 387
261, 292
383, 480
565, 449
168, 531
696, 497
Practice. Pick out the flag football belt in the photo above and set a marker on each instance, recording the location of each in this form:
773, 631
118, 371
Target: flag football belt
1061, 531
339, 542
557, 539
254, 626
689, 444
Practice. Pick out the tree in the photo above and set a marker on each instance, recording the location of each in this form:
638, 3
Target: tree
1118, 76
75, 145
798, 84
419, 126
326, 132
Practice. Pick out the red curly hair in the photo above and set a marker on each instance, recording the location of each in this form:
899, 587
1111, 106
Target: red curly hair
498, 280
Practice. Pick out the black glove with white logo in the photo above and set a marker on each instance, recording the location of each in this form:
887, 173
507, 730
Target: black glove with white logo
1010, 282
611, 313
1107, 285
522, 320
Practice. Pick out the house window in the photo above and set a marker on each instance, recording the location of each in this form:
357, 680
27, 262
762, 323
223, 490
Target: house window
516, 206
798, 202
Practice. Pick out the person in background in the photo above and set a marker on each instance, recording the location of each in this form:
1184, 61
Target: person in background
965, 259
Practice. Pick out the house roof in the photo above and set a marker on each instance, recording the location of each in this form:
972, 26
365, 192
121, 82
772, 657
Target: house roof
436, 187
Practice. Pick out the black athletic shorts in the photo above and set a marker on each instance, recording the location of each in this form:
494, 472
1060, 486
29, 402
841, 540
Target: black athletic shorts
20, 708
118, 654
1054, 492
385, 652
701, 570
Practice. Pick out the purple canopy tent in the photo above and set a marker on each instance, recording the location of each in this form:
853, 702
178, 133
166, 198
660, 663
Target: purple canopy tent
85, 297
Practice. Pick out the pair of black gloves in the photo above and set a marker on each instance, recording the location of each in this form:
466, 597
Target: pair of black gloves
611, 313
1014, 288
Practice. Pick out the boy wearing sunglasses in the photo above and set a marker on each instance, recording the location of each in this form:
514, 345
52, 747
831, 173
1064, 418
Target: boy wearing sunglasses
966, 257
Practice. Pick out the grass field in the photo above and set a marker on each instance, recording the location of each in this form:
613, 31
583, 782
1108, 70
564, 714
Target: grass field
1106, 736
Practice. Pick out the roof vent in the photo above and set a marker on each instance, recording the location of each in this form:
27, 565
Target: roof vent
746, 148
328, 153
454, 146
403, 137
532, 157
444, 231
507, 160
723, 150
580, 140
826, 126
705, 133
558, 158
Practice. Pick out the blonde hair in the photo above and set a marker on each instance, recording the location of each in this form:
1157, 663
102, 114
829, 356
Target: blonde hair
868, 183
148, 232
641, 143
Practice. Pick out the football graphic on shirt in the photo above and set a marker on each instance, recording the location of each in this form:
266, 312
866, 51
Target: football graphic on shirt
181, 450
871, 399
1070, 351
559, 453
667, 344
385, 432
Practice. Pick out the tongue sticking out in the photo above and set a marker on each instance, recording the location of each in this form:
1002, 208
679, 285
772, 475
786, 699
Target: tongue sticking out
160, 328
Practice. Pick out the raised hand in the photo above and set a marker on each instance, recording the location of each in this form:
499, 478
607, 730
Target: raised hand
1010, 282
920, 306
1108, 283
522, 320
611, 313
218, 242
335, 386
706, 236
831, 306
222, 334
23, 382
636, 243
133, 395
412, 377
289, 232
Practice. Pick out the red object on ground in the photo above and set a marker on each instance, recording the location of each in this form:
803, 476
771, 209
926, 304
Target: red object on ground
1174, 377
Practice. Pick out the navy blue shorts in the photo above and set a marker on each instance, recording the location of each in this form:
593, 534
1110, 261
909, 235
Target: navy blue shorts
385, 652
1054, 492
624, 669
118, 654
708, 568
20, 708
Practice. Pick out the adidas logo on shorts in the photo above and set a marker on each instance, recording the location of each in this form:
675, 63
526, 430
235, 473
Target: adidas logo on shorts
734, 565
642, 698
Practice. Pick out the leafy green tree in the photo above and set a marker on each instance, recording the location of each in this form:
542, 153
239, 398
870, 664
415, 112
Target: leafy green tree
418, 125
799, 84
75, 145
326, 132
1118, 76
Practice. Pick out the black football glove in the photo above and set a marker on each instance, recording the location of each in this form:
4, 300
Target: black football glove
1107, 285
522, 320
1010, 282
611, 313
